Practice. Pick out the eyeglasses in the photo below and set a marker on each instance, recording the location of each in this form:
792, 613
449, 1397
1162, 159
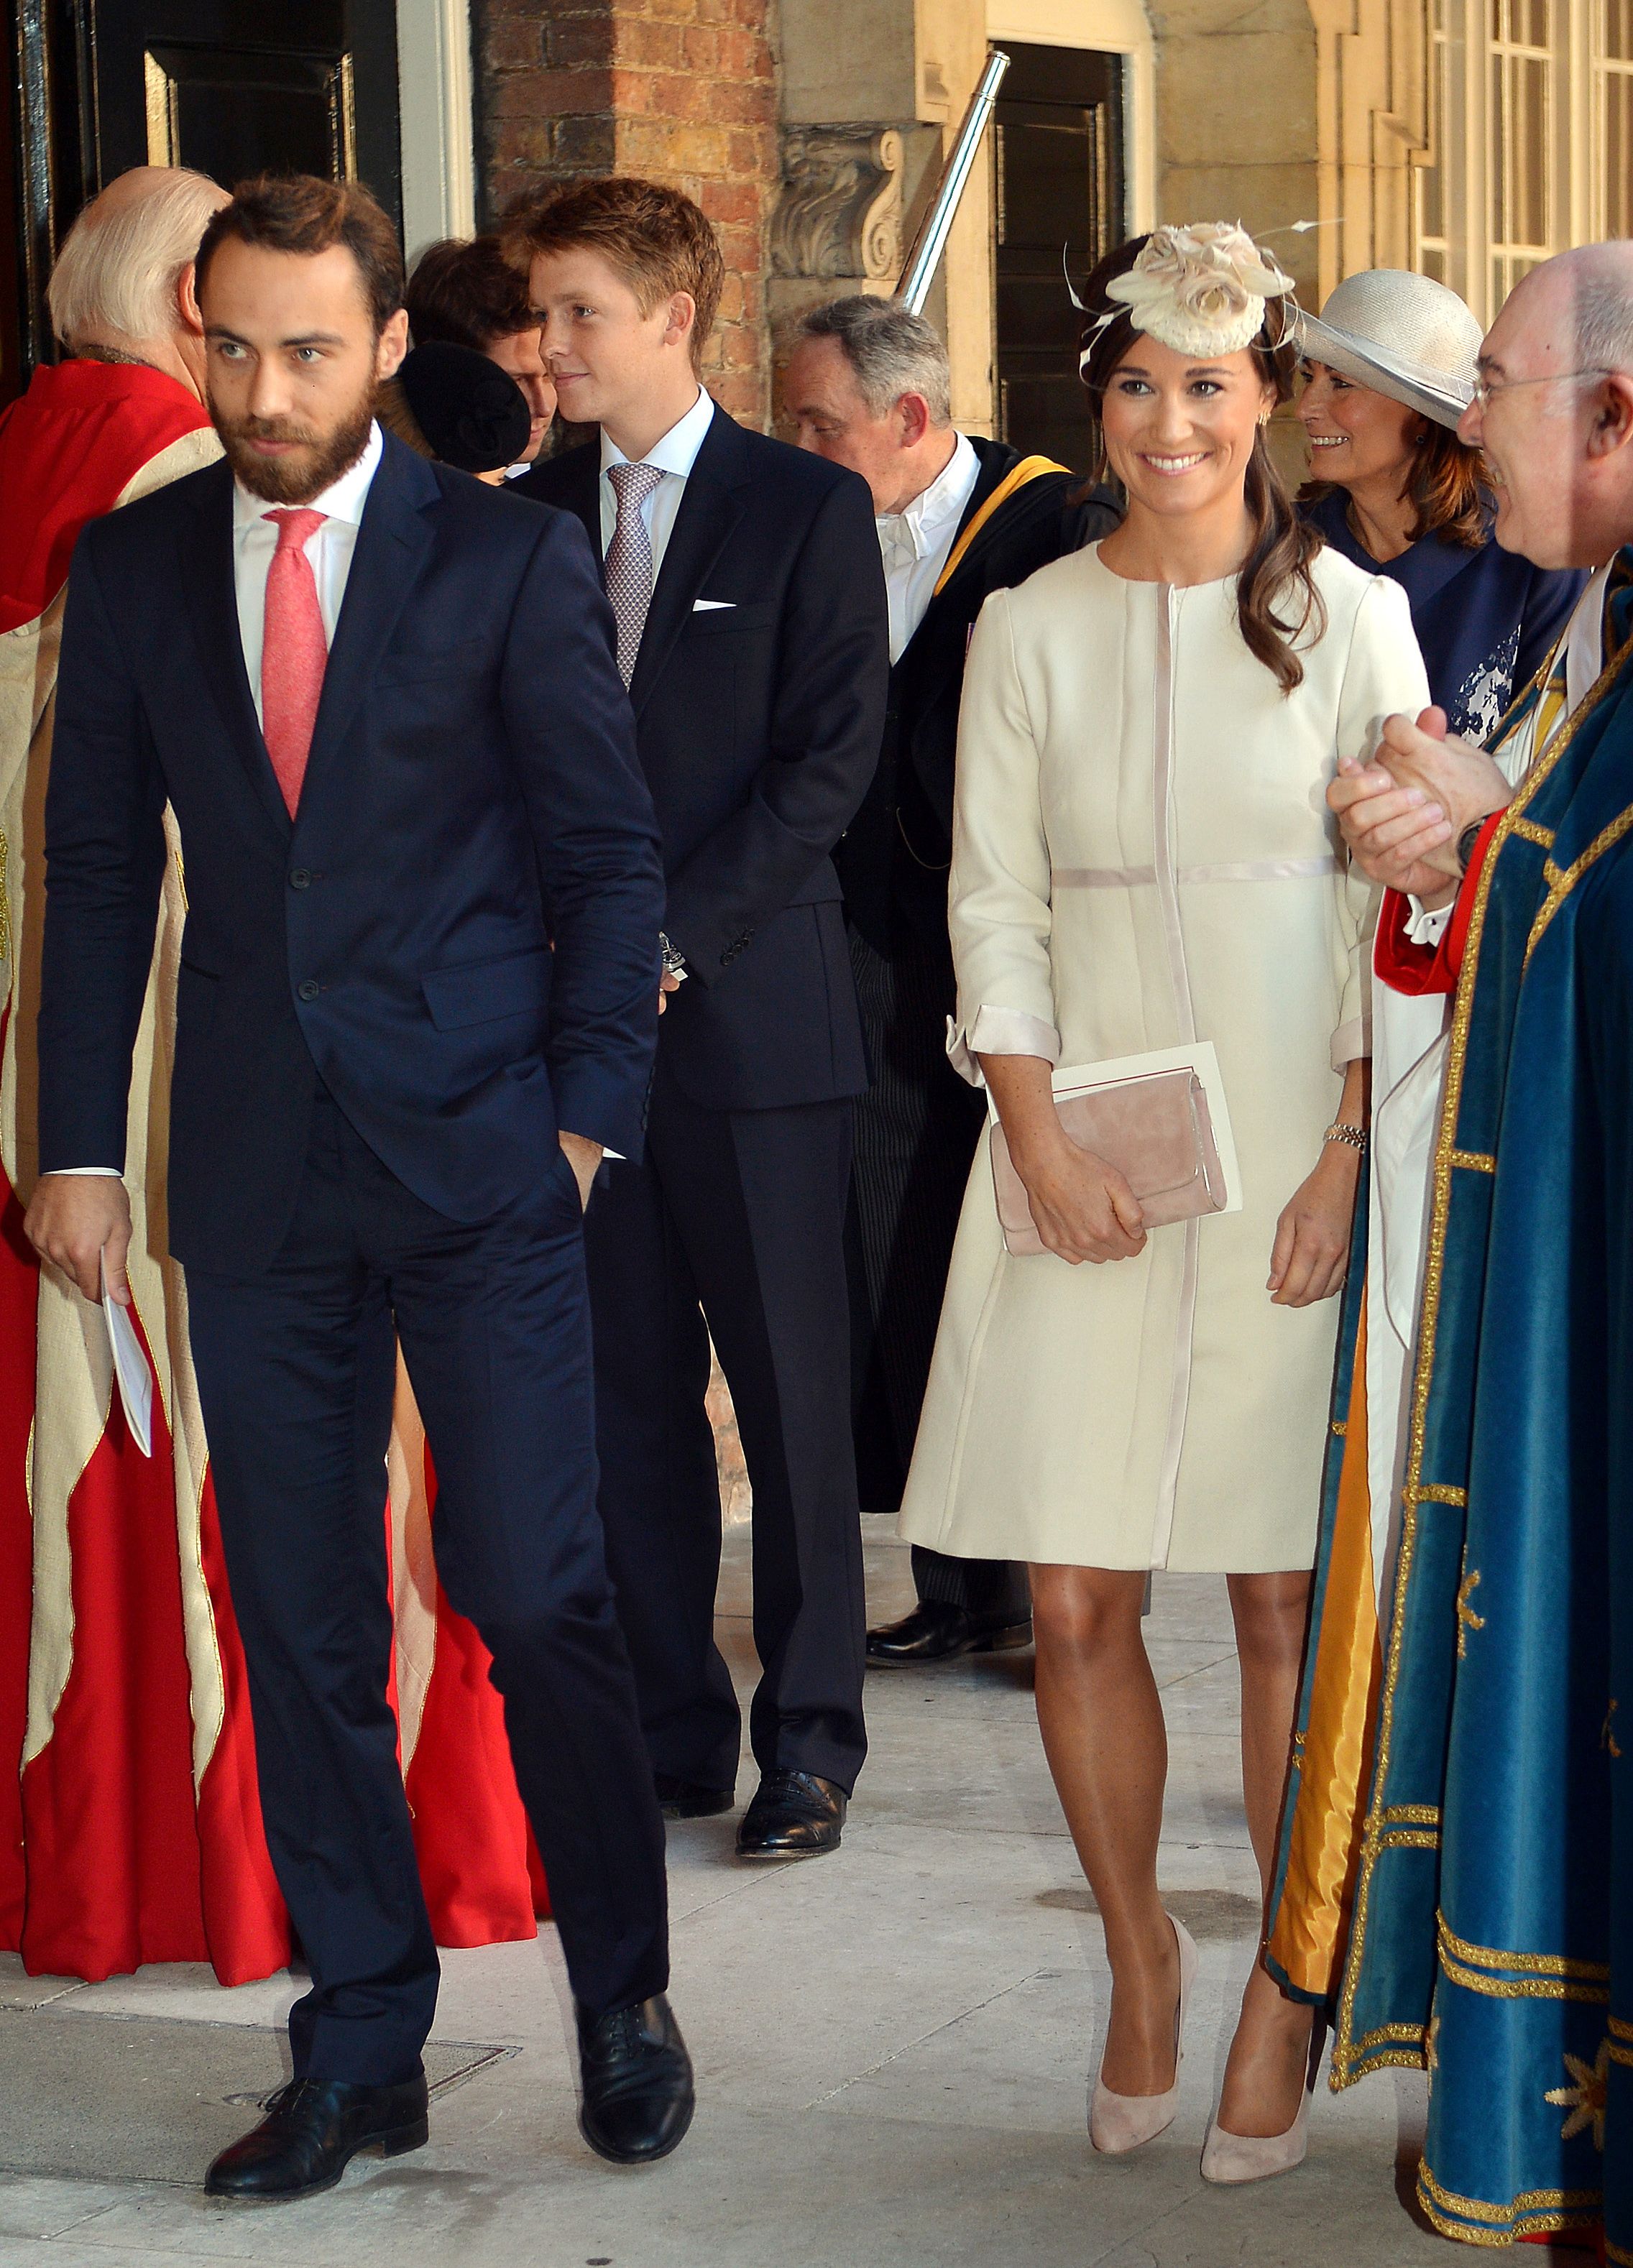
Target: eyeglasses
1485, 388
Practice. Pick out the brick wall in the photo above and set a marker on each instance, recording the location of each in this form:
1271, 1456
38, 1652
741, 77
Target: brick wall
682, 91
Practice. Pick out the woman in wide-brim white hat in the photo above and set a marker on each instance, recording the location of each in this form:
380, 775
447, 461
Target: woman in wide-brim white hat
1389, 370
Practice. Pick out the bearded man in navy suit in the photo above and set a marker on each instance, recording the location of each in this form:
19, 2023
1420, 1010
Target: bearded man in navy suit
417, 997
752, 633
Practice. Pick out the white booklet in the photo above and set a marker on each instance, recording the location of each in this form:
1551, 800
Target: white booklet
1199, 1056
135, 1379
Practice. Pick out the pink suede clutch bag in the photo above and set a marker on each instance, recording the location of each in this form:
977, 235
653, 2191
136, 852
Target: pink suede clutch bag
1155, 1129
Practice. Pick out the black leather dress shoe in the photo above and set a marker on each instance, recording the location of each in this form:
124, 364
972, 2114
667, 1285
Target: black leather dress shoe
314, 2127
934, 1631
689, 1798
638, 2100
795, 1815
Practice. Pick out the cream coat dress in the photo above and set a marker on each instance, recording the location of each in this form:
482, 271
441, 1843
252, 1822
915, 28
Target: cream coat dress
1143, 856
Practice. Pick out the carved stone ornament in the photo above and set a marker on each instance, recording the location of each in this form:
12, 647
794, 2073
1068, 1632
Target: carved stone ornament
841, 211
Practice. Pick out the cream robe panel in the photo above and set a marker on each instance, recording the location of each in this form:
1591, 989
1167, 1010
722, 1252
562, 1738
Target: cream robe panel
1143, 856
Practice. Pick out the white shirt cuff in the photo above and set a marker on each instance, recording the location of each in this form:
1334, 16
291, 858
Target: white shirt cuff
83, 1173
1427, 928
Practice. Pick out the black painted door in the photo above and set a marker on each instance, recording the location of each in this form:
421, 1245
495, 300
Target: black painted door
229, 86
1058, 145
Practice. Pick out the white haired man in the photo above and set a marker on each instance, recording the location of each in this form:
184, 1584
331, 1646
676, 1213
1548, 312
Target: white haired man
1485, 1925
868, 386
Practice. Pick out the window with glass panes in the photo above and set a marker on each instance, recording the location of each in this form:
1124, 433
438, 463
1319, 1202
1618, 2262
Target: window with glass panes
1529, 120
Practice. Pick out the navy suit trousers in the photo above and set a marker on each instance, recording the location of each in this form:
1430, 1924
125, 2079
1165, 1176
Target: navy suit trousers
296, 1369
734, 1225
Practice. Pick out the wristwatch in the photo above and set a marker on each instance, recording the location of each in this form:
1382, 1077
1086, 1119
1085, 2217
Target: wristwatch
1467, 840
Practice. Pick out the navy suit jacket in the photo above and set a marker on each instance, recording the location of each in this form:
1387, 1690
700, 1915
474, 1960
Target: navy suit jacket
758, 723
458, 932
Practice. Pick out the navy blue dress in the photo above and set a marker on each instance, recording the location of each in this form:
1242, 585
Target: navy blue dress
1486, 619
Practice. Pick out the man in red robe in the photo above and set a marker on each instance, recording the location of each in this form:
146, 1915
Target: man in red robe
122, 415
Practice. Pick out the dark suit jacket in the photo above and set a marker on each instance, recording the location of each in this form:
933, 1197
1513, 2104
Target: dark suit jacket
473, 763
758, 725
894, 860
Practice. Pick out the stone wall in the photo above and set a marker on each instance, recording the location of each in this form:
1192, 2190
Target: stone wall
682, 91
1235, 120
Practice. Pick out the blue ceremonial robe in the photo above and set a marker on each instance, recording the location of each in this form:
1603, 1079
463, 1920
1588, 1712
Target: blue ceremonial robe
1492, 1932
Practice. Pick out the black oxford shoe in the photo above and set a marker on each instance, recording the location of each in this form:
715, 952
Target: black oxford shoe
795, 1815
689, 1798
638, 2101
312, 2129
935, 1632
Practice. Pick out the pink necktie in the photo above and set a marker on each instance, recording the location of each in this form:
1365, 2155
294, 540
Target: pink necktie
293, 652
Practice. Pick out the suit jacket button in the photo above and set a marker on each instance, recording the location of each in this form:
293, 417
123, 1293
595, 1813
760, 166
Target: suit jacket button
301, 878
310, 988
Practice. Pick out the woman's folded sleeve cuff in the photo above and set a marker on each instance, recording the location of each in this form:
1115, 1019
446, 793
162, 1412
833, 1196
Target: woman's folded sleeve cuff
1351, 1040
999, 1032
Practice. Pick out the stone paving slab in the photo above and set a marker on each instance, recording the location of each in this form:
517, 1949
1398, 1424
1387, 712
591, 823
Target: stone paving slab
894, 2045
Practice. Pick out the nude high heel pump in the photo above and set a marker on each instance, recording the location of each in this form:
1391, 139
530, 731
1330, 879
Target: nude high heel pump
1121, 2123
1228, 2158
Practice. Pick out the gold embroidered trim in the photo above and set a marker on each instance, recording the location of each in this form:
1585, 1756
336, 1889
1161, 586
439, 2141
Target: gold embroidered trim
1532, 1964
1520, 1988
1436, 1493
1528, 2201
1561, 884
1345, 2051
1543, 836
1614, 2252
1466, 1618
1340, 1426
1409, 1838
1620, 2055
1411, 1815
1619, 2028
1474, 1161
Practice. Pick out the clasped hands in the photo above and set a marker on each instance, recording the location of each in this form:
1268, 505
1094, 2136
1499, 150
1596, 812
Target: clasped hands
1403, 813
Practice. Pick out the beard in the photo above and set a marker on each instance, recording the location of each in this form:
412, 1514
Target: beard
319, 459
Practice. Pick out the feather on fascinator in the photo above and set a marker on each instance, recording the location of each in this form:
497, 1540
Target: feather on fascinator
1200, 289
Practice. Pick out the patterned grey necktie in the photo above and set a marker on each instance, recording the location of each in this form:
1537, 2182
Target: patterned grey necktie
629, 558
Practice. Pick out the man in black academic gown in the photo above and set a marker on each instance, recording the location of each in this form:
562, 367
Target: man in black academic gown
868, 386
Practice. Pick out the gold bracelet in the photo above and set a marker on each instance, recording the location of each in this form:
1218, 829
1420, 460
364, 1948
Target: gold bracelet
1353, 1136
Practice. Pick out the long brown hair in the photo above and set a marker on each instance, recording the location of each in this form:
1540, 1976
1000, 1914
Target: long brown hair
1282, 546
1446, 489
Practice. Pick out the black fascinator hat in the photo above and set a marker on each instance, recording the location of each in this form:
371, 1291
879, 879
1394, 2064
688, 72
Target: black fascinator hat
473, 415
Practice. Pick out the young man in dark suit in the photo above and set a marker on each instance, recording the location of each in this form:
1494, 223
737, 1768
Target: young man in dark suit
959, 516
747, 584
418, 997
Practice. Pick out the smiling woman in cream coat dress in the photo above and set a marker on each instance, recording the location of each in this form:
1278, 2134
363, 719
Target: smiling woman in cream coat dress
1144, 857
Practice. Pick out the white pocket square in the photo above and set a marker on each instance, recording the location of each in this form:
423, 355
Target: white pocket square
712, 606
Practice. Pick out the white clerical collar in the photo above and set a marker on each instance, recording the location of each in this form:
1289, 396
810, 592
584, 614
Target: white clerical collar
342, 499
678, 452
925, 519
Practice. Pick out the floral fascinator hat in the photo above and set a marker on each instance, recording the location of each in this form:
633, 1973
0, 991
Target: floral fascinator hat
1200, 289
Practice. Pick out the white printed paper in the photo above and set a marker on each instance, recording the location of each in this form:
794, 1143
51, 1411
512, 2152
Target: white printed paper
135, 1379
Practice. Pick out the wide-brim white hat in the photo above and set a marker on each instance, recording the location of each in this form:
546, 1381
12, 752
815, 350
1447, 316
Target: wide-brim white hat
1401, 335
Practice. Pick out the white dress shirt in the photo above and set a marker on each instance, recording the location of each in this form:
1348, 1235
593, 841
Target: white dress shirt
675, 455
255, 540
915, 543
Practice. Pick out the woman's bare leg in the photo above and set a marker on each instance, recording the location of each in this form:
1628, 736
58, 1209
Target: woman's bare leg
1103, 1733
1265, 2074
